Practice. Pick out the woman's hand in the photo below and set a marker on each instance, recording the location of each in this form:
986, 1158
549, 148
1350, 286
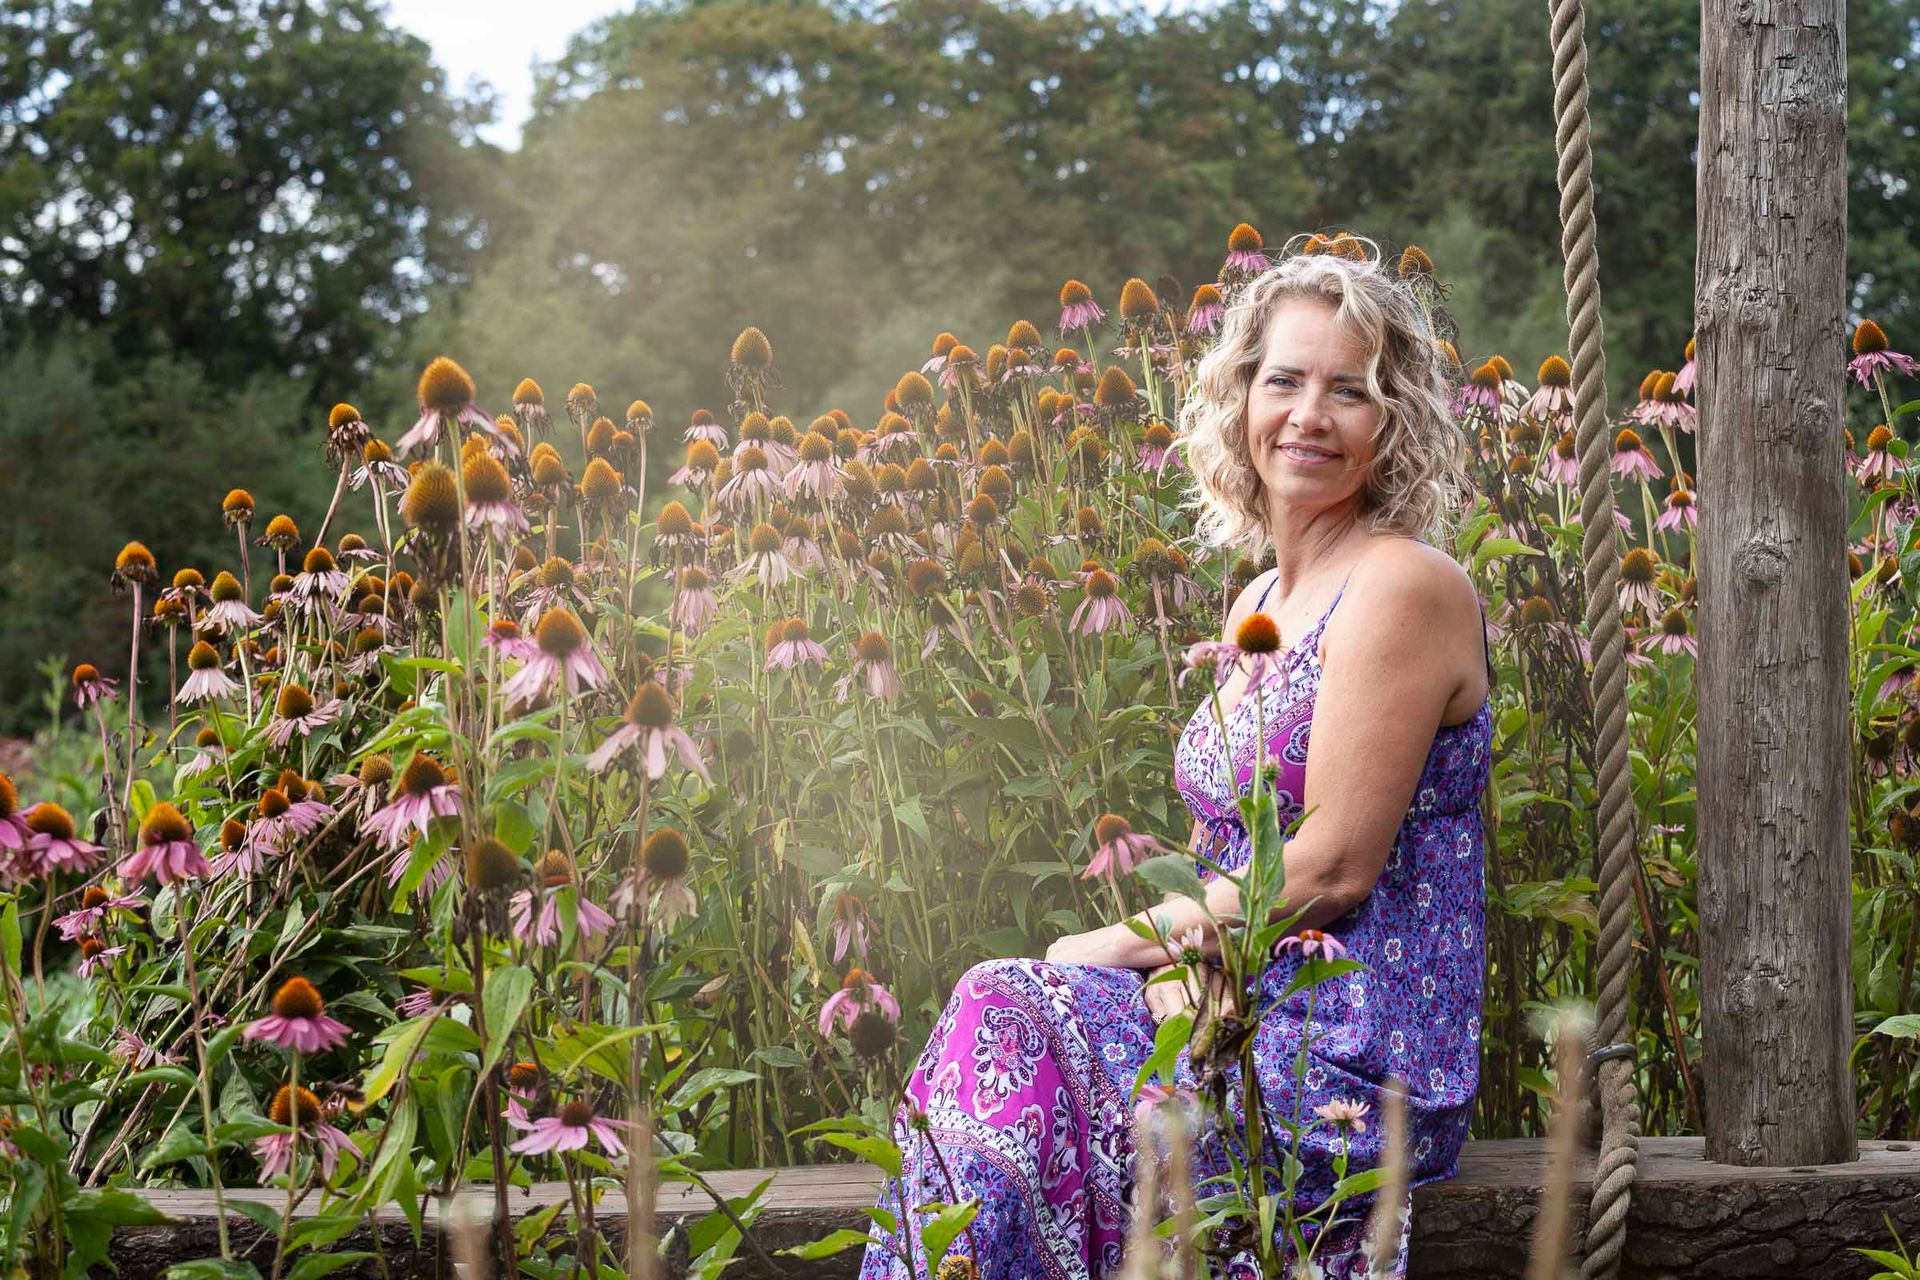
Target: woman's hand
1166, 998
1112, 946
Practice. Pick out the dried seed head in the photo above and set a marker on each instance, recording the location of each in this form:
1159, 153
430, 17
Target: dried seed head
873, 647
873, 1035
1137, 301
486, 480
529, 393
376, 770
652, 706
1414, 262
548, 470
913, 391
1116, 389
1537, 611
639, 414
445, 386
944, 343
924, 577
136, 564
581, 401
1244, 239
600, 483
432, 500
491, 866
237, 506
763, 540
751, 350
665, 855
1024, 334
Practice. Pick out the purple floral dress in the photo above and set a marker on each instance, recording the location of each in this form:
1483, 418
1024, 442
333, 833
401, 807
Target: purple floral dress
1026, 1080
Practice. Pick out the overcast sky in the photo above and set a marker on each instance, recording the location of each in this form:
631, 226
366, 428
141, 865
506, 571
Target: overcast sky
497, 41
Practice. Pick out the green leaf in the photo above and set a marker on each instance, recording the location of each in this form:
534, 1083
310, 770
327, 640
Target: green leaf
709, 1080
1902, 1026
10, 941
315, 1265
828, 1245
1171, 1037
177, 1144
212, 1269
399, 1049
908, 811
882, 1153
1499, 548
507, 993
36, 1145
1172, 873
938, 1236
29, 1184
114, 1207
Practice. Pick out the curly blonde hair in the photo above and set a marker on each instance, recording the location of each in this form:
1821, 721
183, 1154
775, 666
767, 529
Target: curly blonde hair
1418, 472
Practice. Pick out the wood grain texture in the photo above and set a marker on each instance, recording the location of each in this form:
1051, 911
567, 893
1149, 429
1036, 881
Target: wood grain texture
1691, 1218
1775, 904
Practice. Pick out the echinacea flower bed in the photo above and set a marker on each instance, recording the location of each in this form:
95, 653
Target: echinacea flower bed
552, 812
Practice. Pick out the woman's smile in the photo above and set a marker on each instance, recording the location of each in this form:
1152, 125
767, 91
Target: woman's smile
1306, 455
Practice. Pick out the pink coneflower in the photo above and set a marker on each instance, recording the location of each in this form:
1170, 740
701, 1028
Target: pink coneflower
1683, 380
1117, 847
298, 1020
1670, 408
1681, 511
1480, 391
1631, 459
1156, 448
168, 851
208, 751
205, 680
418, 1003
791, 644
1553, 401
554, 874
705, 427
490, 503
1872, 355
89, 686
1345, 1114
317, 586
1205, 311
280, 820
815, 476
570, 1129
752, 479
1255, 646
1102, 608
377, 464
446, 395
765, 558
91, 914
851, 926
1673, 635
1639, 572
693, 607
873, 663
649, 725
1561, 463
96, 955
565, 661
229, 612
1646, 409
505, 638
1078, 310
297, 1108
1246, 253
424, 793
52, 844
942, 622
1878, 461
1313, 942
294, 713
130, 1047
858, 994
14, 831
660, 880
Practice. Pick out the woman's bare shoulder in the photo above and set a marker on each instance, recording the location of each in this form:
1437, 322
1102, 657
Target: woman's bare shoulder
1401, 575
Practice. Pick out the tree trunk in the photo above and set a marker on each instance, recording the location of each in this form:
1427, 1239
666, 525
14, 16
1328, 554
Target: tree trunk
1775, 906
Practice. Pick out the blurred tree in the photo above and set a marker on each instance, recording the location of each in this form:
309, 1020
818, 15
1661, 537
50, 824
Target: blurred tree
247, 185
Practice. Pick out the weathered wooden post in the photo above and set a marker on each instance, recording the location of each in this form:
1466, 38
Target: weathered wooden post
1774, 860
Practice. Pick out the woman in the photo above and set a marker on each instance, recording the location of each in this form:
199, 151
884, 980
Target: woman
1318, 427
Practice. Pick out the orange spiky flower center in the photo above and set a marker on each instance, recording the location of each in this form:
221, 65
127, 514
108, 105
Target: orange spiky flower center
665, 855
1109, 827
652, 706
559, 633
294, 703
445, 386
297, 998
164, 824
1868, 338
1257, 633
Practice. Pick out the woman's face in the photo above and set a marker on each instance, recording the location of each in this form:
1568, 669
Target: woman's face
1310, 419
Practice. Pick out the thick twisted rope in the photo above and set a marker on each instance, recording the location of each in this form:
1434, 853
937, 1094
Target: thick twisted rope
1620, 1131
